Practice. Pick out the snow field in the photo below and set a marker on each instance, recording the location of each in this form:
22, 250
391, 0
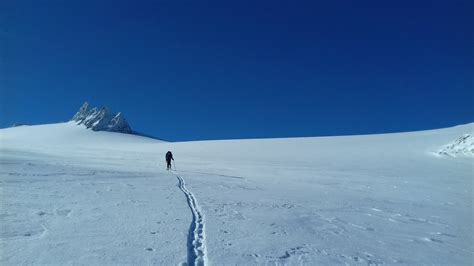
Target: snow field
73, 196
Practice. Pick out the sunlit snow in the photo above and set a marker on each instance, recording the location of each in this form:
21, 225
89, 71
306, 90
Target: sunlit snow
72, 195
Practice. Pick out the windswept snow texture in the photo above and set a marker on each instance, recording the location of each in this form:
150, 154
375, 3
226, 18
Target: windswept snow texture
74, 196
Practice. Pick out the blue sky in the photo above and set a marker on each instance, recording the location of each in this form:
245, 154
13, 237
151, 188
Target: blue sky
187, 70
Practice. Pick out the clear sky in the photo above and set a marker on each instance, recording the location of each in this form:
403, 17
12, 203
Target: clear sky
187, 70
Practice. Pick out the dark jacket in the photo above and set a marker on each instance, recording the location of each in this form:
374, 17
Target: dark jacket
169, 156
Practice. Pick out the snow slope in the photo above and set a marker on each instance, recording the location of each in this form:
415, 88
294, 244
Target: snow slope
71, 195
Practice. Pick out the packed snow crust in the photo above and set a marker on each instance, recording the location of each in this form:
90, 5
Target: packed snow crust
70, 195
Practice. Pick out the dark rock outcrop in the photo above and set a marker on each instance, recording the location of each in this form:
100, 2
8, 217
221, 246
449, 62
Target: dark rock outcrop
101, 119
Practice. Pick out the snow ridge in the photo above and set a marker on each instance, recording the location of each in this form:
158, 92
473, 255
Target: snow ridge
101, 119
196, 237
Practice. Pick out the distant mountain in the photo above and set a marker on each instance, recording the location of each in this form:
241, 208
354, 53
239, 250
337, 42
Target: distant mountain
101, 119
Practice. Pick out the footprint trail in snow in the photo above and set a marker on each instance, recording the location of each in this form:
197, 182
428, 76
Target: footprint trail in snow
196, 237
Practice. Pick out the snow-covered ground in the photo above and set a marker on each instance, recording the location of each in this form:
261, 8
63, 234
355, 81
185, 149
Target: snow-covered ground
71, 195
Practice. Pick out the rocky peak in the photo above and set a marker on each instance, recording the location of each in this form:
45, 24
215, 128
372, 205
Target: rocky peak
101, 119
81, 114
463, 146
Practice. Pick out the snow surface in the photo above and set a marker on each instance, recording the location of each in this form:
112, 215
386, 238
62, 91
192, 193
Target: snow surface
70, 195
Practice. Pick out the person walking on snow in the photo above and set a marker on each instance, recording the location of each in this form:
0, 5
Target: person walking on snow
169, 157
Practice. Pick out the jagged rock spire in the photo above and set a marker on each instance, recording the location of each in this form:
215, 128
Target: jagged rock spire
81, 114
101, 119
